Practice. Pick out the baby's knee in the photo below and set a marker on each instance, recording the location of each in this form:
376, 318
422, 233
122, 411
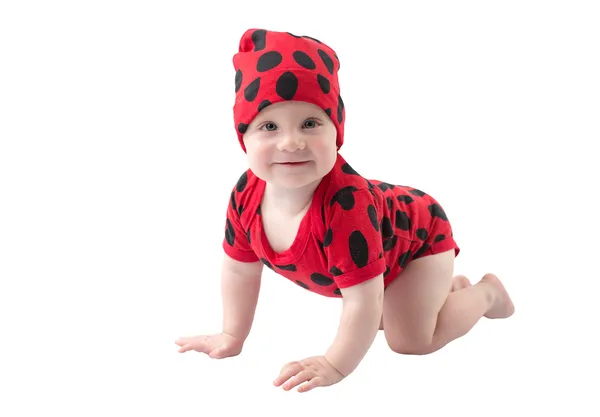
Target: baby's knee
417, 346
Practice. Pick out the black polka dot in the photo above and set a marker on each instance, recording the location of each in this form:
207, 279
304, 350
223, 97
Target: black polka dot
321, 247
347, 169
240, 209
389, 244
340, 110
437, 211
328, 238
390, 203
326, 60
387, 229
402, 220
323, 213
422, 233
268, 61
287, 85
359, 248
251, 91
266, 262
304, 60
384, 186
373, 216
309, 37
439, 238
380, 255
232, 201
242, 127
337, 291
259, 38
302, 284
405, 199
230, 233
242, 182
258, 211
321, 279
324, 84
336, 271
263, 104
416, 192
421, 250
403, 259
328, 112
248, 236
238, 80
387, 271
344, 197
290, 267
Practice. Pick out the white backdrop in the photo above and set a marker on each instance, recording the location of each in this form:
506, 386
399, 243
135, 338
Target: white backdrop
118, 154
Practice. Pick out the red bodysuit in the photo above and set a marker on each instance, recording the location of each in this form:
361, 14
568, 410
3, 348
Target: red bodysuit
354, 230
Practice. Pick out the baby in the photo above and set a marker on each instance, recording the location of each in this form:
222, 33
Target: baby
386, 250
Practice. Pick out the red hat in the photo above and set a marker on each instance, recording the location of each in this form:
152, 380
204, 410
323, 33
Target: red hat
277, 66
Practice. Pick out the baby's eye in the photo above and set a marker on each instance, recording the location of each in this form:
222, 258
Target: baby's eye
311, 123
270, 126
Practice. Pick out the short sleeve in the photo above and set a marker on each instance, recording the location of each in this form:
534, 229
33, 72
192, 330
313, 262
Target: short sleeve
236, 242
353, 243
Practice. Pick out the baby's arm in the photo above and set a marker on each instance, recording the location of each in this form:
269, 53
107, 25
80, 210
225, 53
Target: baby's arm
359, 324
240, 286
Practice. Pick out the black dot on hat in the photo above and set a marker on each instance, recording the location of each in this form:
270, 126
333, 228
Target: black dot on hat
387, 229
439, 238
340, 109
347, 169
405, 199
251, 90
242, 182
268, 61
326, 60
416, 192
422, 233
359, 248
302, 284
240, 209
259, 38
258, 211
290, 267
387, 271
403, 259
336, 271
324, 84
321, 279
373, 216
238, 79
242, 127
232, 200
328, 111
229, 233
402, 220
337, 291
421, 250
390, 203
437, 211
328, 238
287, 85
304, 60
249, 236
263, 104
344, 197
314, 39
389, 244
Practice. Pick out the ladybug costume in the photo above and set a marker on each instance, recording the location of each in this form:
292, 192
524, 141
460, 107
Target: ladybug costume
356, 228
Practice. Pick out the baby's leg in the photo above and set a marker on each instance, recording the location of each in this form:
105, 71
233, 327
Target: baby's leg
424, 308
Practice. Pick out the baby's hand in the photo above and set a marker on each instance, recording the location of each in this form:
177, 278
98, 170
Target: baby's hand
217, 346
312, 372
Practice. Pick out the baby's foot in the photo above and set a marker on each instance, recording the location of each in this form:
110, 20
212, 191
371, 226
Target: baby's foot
460, 282
502, 306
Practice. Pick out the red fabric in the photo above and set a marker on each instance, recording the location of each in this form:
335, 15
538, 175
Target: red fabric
271, 67
354, 230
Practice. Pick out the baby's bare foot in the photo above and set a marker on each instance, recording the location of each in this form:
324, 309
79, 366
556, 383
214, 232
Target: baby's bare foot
502, 306
460, 282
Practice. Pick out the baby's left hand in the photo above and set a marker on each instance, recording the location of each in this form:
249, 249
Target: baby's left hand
314, 372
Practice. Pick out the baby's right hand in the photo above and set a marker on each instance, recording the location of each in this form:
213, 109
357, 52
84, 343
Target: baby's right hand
217, 346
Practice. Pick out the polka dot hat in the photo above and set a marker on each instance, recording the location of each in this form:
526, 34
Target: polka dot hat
271, 67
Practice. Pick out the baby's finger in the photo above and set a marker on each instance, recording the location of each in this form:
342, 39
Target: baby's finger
287, 372
299, 378
185, 348
317, 381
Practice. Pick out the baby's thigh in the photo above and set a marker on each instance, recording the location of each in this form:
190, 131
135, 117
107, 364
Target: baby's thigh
413, 300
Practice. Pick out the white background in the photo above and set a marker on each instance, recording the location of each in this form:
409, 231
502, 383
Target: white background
118, 154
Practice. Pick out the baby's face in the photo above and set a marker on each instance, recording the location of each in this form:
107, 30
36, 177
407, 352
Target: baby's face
291, 144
